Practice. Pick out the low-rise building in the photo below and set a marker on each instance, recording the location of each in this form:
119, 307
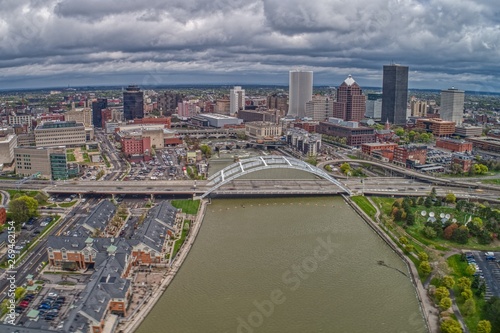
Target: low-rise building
8, 141
438, 127
369, 148
262, 130
307, 143
410, 155
454, 145
3, 215
464, 161
485, 143
221, 120
468, 130
49, 162
354, 134
62, 133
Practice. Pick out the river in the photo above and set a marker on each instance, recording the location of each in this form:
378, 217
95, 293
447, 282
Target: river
287, 265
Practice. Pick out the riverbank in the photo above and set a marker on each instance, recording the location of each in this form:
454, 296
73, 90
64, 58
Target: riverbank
131, 324
429, 312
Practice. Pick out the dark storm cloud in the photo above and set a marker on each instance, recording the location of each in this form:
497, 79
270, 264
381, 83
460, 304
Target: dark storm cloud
445, 42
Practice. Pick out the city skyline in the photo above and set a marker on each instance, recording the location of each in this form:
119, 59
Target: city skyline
67, 43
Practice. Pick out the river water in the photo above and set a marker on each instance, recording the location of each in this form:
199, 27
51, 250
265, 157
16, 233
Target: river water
287, 265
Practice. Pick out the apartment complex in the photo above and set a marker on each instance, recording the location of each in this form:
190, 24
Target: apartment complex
306, 143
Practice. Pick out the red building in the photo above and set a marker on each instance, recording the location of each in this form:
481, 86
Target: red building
351, 103
136, 146
154, 121
52, 117
410, 154
308, 126
3, 215
106, 115
369, 148
454, 145
464, 161
355, 135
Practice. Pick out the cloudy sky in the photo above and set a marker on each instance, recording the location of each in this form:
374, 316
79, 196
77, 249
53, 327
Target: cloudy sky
118, 42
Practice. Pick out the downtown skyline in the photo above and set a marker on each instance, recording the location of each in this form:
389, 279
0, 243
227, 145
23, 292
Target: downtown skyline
70, 43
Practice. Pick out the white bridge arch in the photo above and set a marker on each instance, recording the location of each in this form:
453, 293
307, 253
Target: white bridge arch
258, 163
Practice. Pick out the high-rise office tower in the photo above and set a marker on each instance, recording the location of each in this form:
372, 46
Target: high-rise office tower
351, 103
236, 100
133, 103
97, 107
395, 94
452, 105
300, 92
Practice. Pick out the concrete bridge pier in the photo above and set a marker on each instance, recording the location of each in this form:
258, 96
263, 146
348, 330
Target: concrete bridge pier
113, 196
152, 197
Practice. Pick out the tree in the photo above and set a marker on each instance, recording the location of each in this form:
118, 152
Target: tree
429, 232
464, 283
483, 326
461, 235
441, 292
467, 294
469, 307
403, 240
448, 281
450, 198
22, 209
422, 256
448, 231
428, 202
206, 150
425, 267
410, 219
345, 168
433, 192
470, 270
445, 303
451, 326
480, 169
492, 312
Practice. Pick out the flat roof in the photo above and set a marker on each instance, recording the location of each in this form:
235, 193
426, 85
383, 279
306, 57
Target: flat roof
217, 116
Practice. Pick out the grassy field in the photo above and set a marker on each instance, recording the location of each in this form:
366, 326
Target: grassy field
492, 181
384, 204
187, 206
365, 205
70, 157
67, 204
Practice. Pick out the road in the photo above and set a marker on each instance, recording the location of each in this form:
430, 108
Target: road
38, 253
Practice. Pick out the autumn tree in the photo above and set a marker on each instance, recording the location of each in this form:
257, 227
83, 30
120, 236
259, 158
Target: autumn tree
448, 231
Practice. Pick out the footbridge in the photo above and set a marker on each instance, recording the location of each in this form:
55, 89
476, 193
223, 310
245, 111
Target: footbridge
258, 163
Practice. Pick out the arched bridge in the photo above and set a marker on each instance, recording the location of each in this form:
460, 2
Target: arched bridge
258, 163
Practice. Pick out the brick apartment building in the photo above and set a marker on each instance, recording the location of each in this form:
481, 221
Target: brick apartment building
464, 161
454, 145
410, 155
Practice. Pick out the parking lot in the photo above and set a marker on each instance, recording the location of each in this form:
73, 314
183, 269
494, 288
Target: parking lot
163, 166
488, 268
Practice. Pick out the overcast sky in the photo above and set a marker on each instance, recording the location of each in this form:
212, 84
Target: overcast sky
119, 42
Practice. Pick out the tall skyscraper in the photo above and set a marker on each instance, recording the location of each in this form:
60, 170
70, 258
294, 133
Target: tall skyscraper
300, 92
133, 103
395, 94
97, 107
351, 103
236, 100
452, 105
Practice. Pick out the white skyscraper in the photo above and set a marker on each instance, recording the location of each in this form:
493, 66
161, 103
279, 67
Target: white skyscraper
300, 92
452, 105
236, 100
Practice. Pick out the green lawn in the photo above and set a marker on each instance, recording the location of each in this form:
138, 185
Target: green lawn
384, 204
67, 204
365, 205
187, 206
86, 157
70, 157
492, 181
